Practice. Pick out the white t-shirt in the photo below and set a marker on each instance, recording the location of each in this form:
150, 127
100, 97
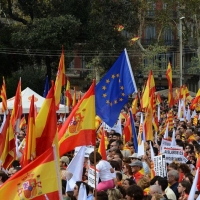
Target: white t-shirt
104, 170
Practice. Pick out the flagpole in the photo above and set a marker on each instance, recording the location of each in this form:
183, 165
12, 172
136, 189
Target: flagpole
95, 160
95, 174
57, 171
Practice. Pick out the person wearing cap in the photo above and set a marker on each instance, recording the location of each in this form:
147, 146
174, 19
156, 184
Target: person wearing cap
64, 161
136, 167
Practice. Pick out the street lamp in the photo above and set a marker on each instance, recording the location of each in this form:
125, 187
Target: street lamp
181, 50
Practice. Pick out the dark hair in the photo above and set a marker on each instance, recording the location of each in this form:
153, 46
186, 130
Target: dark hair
15, 163
3, 176
180, 143
190, 177
184, 167
129, 168
130, 181
163, 183
102, 195
116, 134
191, 146
119, 176
115, 164
147, 197
78, 183
91, 157
135, 191
120, 155
183, 126
119, 142
154, 179
186, 185
155, 150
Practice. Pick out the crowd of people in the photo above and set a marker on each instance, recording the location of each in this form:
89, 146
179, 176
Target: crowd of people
124, 174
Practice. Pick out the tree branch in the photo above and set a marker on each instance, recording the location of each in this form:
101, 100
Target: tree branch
15, 17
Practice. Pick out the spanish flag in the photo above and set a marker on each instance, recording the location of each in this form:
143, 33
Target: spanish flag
79, 128
17, 108
22, 122
102, 147
169, 78
38, 180
68, 94
46, 123
60, 79
149, 90
3, 96
134, 105
29, 153
7, 144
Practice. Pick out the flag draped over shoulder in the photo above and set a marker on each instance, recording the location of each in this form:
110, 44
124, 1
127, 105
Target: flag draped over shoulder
113, 90
3, 96
46, 87
169, 78
46, 123
29, 153
60, 79
79, 128
7, 143
17, 108
38, 180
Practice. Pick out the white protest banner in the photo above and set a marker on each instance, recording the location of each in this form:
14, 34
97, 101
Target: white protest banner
164, 143
91, 177
174, 154
160, 166
88, 150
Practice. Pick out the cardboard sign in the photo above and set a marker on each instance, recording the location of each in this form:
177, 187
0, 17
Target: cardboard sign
160, 166
88, 150
174, 154
91, 177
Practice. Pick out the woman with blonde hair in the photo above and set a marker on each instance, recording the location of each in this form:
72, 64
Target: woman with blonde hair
114, 194
144, 183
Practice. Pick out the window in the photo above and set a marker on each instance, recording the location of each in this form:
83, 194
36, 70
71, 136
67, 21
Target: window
168, 36
150, 32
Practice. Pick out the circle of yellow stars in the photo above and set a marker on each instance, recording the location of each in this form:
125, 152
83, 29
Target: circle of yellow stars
106, 86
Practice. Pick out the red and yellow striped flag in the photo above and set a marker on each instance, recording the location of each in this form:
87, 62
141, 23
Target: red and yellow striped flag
7, 143
17, 109
102, 147
134, 105
149, 90
22, 122
38, 180
170, 120
74, 98
46, 123
3, 96
68, 94
169, 78
29, 153
196, 100
60, 79
76, 131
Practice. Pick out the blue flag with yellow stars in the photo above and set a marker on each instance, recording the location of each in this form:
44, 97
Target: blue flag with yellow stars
113, 90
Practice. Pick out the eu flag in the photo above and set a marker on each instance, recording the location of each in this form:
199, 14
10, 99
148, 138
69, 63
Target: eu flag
46, 87
113, 90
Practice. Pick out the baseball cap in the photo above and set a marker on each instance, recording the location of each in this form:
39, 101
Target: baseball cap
64, 159
136, 163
